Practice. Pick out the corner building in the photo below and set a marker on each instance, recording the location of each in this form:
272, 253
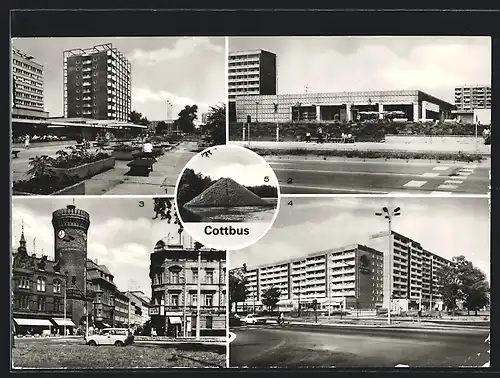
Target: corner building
97, 84
175, 276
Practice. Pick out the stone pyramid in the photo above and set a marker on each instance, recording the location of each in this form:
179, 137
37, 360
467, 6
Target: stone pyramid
226, 192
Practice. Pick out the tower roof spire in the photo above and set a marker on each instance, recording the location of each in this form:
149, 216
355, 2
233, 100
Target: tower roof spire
22, 240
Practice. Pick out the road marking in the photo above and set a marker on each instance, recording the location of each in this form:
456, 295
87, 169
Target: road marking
368, 191
440, 168
467, 170
438, 193
401, 365
232, 336
453, 181
460, 173
430, 174
447, 186
348, 172
415, 184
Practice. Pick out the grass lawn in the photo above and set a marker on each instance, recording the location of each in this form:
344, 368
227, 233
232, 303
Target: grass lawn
47, 354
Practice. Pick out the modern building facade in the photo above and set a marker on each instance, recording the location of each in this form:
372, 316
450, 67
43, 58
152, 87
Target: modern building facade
250, 73
414, 272
27, 87
175, 275
97, 83
413, 105
141, 303
354, 276
337, 278
473, 103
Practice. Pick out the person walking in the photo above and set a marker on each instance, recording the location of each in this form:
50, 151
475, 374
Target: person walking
308, 137
27, 142
282, 318
320, 135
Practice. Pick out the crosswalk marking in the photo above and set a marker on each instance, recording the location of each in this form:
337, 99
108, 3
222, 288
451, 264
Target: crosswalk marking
460, 173
453, 181
438, 193
430, 174
467, 170
414, 184
440, 168
447, 186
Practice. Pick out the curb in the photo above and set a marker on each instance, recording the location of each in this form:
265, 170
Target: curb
232, 336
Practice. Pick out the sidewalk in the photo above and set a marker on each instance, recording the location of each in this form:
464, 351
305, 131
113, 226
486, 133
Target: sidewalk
395, 325
159, 182
204, 340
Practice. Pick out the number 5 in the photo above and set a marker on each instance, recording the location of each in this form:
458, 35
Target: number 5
266, 179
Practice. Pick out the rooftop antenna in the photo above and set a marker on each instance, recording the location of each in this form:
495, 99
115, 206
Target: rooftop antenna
73, 201
34, 245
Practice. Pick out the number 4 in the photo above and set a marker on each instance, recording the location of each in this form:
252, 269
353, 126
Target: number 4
290, 203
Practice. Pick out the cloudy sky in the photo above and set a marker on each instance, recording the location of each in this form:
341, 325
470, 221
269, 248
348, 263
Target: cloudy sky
121, 236
445, 226
186, 71
238, 163
336, 64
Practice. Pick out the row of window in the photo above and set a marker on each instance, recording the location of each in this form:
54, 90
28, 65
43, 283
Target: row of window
27, 73
176, 278
30, 67
29, 89
20, 79
29, 96
24, 282
23, 302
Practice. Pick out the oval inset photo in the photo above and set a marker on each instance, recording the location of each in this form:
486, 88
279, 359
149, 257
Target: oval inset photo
227, 197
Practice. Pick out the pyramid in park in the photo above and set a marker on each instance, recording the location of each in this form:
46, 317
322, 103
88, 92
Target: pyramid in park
226, 192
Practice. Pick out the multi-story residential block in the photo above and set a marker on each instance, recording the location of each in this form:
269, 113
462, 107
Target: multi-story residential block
354, 276
473, 103
27, 87
97, 84
414, 281
250, 73
176, 275
339, 278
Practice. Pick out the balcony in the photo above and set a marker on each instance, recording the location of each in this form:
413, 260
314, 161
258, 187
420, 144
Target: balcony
87, 84
87, 69
86, 77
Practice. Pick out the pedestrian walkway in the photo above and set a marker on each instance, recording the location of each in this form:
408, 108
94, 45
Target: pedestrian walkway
159, 182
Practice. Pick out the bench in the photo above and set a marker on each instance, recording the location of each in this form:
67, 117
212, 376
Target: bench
141, 166
15, 152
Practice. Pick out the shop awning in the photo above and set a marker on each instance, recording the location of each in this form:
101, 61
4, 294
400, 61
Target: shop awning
64, 322
174, 320
33, 322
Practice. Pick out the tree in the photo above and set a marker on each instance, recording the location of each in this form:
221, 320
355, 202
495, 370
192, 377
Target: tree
161, 128
449, 286
238, 291
137, 118
185, 122
191, 184
271, 297
462, 281
165, 210
475, 288
215, 128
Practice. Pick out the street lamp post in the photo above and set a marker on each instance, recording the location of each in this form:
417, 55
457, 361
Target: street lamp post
198, 296
184, 318
65, 301
256, 111
389, 215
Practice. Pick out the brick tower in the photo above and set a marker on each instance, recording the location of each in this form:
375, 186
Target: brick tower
70, 244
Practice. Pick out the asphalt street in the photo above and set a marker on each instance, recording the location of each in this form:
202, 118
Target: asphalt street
294, 346
343, 176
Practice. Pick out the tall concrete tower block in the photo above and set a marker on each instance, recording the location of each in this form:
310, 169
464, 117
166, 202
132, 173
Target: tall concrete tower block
70, 242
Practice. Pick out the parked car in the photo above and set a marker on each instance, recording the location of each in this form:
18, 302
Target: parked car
254, 319
111, 336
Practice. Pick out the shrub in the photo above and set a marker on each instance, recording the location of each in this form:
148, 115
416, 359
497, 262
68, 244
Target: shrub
406, 155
